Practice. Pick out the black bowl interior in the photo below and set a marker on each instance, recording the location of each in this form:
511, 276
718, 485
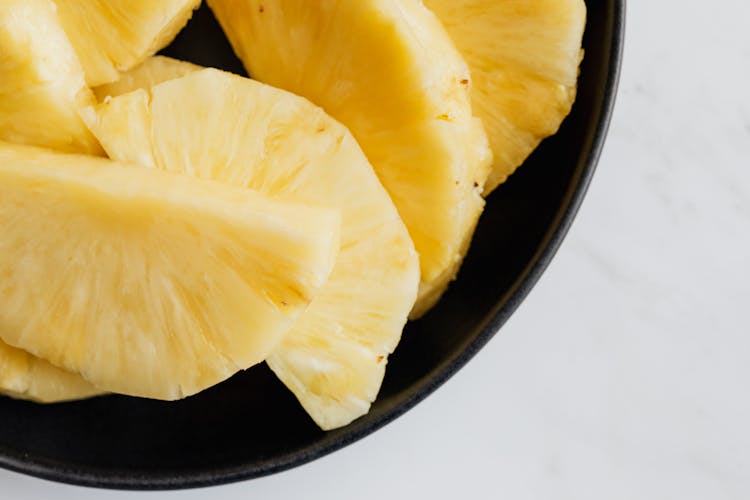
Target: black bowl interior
250, 425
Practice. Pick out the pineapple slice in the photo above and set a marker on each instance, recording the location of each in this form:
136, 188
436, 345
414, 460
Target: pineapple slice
524, 57
223, 127
41, 86
388, 70
41, 80
152, 71
24, 376
111, 36
146, 283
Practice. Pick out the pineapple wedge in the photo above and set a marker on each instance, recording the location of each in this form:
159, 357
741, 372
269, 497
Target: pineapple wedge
524, 57
146, 283
41, 81
227, 128
388, 70
24, 376
152, 71
111, 36
41, 86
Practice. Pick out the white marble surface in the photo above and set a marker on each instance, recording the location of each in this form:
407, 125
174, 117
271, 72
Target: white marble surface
625, 375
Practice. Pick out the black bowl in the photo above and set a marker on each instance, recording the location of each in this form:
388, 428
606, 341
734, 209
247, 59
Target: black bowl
251, 425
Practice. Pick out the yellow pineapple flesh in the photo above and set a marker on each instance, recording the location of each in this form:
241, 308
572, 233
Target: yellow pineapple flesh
41, 86
524, 57
223, 127
24, 376
113, 36
152, 71
41, 81
387, 70
147, 283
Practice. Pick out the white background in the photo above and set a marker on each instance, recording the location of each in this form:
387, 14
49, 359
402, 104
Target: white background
626, 374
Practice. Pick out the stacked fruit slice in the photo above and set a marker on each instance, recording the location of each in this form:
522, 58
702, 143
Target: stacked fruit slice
51, 50
152, 71
48, 51
250, 135
42, 83
25, 376
236, 222
146, 283
115, 35
524, 57
388, 70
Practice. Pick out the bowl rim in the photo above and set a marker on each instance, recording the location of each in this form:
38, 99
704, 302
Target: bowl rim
506, 307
